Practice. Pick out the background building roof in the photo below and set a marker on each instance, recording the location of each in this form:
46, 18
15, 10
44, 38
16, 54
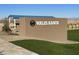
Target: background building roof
19, 16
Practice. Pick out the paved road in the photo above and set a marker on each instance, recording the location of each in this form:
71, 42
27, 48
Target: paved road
7, 48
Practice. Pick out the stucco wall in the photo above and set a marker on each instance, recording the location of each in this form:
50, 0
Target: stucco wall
47, 32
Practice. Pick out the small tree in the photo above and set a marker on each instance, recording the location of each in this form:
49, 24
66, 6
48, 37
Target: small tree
6, 26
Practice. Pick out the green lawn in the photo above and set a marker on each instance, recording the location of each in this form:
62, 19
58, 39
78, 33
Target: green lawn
51, 48
48, 48
73, 35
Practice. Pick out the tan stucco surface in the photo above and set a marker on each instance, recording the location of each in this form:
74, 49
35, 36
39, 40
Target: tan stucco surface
47, 32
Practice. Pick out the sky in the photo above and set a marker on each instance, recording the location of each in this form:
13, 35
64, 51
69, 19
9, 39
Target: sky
56, 10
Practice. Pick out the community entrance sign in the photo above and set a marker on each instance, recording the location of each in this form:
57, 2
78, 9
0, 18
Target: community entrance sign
43, 28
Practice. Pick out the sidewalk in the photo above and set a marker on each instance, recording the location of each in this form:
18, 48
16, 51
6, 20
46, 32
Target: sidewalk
7, 48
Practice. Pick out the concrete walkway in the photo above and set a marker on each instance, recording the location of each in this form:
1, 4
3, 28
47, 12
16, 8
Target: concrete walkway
7, 48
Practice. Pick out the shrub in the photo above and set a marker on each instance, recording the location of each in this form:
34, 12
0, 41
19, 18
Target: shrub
6, 26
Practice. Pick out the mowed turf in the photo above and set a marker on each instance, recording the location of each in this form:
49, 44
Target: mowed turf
48, 48
73, 35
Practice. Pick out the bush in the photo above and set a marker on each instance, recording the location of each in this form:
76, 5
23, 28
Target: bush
6, 27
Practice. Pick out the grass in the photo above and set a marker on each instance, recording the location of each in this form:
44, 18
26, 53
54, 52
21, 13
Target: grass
51, 48
48, 48
73, 35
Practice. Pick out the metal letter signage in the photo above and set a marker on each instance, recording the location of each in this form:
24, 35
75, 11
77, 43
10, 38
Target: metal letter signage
47, 22
33, 23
